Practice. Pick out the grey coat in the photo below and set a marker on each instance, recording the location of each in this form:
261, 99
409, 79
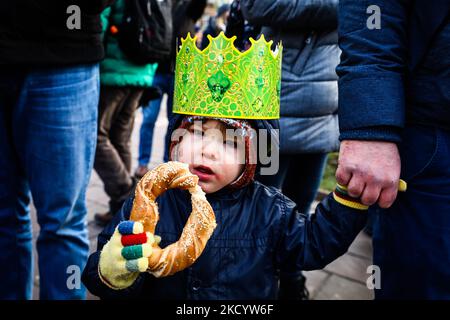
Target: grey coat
309, 93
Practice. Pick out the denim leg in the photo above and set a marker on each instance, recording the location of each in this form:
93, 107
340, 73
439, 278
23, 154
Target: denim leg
412, 238
165, 82
16, 260
169, 83
150, 114
56, 117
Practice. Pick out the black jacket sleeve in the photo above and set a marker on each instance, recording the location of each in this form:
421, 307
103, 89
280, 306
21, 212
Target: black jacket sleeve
311, 241
90, 277
292, 14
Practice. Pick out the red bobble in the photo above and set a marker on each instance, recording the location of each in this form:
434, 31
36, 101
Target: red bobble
134, 239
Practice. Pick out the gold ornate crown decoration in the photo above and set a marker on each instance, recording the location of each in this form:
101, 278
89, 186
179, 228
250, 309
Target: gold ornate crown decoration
220, 81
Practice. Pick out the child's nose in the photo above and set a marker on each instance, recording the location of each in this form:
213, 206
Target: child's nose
210, 149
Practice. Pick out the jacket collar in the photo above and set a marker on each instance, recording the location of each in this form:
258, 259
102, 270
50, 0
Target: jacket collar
228, 194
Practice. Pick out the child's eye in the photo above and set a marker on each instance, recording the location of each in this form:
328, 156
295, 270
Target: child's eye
231, 143
196, 132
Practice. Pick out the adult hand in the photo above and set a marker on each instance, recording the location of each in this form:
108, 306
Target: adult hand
370, 170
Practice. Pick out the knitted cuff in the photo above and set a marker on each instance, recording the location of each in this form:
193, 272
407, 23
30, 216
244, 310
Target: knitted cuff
105, 282
341, 196
382, 133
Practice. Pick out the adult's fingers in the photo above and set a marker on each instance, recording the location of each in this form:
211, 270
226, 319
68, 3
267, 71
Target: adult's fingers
370, 194
356, 186
388, 196
343, 175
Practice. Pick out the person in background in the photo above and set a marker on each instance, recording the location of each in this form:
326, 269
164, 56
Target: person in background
122, 85
240, 28
309, 94
216, 24
185, 15
49, 90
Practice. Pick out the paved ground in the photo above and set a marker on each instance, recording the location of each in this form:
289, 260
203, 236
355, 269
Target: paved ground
345, 278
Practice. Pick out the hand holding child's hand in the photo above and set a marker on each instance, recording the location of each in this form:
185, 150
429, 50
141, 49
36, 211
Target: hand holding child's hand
125, 255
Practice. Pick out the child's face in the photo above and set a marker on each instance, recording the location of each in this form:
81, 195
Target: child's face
215, 157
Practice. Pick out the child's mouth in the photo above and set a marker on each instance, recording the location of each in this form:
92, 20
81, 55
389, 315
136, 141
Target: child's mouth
203, 172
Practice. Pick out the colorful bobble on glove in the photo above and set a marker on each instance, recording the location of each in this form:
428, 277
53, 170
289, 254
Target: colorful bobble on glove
125, 255
136, 245
137, 265
130, 227
137, 251
133, 239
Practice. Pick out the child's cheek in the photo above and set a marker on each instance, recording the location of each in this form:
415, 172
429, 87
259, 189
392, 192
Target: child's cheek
185, 151
230, 172
234, 157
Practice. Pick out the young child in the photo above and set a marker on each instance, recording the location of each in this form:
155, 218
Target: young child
259, 231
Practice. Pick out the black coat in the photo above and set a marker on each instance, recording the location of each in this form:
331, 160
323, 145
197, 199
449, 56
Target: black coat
34, 32
185, 14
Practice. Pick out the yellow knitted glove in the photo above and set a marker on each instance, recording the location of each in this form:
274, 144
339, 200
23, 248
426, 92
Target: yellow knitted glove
125, 255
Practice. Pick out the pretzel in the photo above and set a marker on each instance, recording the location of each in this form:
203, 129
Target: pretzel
199, 226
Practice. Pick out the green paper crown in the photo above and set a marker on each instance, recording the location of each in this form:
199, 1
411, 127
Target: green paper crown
220, 81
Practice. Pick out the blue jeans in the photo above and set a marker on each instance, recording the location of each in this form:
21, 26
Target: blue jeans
411, 239
48, 127
165, 82
299, 177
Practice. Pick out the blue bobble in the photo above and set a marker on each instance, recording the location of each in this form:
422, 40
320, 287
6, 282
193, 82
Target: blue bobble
126, 227
132, 265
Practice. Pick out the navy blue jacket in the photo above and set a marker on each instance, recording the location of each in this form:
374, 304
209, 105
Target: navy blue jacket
259, 232
396, 75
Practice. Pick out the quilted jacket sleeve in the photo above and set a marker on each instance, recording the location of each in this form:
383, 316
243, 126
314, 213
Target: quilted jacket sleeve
311, 241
